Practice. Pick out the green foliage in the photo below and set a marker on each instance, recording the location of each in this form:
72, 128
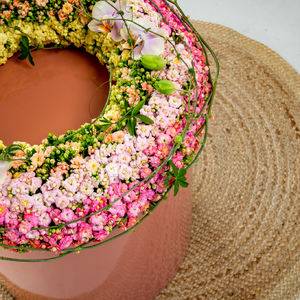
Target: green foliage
178, 176
9, 152
132, 119
25, 50
105, 124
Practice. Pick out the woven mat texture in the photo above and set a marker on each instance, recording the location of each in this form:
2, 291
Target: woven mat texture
246, 220
245, 240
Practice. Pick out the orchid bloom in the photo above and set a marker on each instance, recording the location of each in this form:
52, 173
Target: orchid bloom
145, 42
4, 167
104, 10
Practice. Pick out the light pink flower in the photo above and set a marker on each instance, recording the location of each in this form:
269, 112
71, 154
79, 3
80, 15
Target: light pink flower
92, 165
71, 184
141, 143
86, 188
175, 101
24, 227
25, 202
164, 139
97, 220
133, 209
67, 215
125, 172
124, 158
44, 219
65, 242
84, 232
101, 235
112, 169
62, 202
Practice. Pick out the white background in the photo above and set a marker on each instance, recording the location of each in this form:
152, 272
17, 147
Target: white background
275, 23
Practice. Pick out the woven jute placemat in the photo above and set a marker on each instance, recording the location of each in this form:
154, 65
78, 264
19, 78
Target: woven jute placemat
246, 220
245, 240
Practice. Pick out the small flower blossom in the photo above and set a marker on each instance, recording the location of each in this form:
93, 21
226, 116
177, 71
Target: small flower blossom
25, 227
84, 232
125, 172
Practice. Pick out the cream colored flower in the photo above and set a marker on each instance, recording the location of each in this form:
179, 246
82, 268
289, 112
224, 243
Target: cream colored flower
4, 167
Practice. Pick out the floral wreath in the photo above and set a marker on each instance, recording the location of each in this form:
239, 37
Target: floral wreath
70, 192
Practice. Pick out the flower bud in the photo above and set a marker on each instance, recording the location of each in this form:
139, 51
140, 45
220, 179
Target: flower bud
153, 62
165, 87
178, 139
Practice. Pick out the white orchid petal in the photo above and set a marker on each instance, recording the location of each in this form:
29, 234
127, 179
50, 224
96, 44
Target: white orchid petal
147, 24
4, 167
162, 32
116, 31
138, 52
153, 46
102, 8
94, 26
124, 33
121, 5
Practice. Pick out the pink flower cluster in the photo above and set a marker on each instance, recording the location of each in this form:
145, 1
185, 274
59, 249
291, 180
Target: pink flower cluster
89, 184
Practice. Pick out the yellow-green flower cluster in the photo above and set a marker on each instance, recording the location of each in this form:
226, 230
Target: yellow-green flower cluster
59, 33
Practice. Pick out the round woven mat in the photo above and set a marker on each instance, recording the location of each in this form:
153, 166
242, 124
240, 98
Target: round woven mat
245, 240
246, 219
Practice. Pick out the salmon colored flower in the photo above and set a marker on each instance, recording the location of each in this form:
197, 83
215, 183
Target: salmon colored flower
41, 3
67, 8
38, 158
118, 136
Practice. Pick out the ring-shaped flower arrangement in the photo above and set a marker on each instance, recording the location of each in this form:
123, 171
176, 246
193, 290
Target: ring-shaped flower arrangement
70, 192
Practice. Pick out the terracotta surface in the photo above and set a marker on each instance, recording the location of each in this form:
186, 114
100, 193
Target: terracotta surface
136, 266
53, 96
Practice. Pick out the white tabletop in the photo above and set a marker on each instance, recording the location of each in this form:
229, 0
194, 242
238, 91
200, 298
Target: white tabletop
275, 23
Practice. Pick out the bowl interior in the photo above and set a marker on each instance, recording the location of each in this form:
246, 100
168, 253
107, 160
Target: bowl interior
58, 94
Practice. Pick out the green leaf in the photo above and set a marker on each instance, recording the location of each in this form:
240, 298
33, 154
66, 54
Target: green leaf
138, 107
13, 147
192, 72
167, 180
175, 169
23, 47
25, 41
23, 55
30, 58
182, 173
183, 183
131, 42
145, 119
134, 124
131, 126
105, 119
176, 188
164, 197
104, 127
